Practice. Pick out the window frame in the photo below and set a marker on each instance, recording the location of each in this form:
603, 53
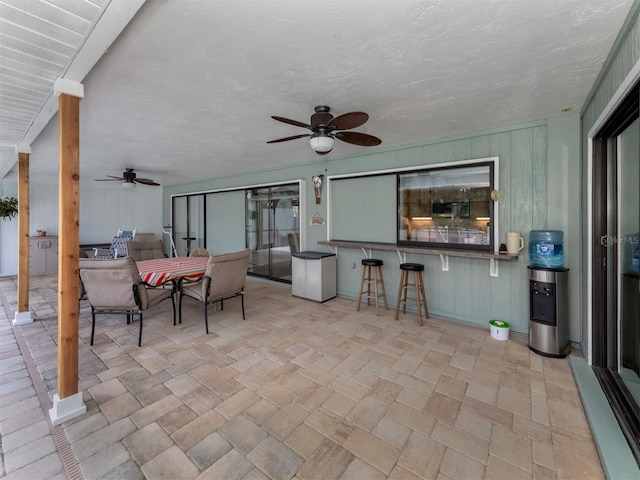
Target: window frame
492, 222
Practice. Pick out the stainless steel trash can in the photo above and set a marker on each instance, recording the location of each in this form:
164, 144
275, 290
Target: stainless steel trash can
549, 321
313, 275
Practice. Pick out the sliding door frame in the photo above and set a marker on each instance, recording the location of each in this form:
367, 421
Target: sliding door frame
604, 347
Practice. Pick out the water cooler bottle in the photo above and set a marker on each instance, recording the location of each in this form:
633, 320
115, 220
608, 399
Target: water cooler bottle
549, 322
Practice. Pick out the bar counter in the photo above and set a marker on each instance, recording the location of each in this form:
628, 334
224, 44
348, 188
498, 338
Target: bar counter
402, 250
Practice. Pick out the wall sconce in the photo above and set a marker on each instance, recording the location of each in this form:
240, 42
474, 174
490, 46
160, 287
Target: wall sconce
317, 187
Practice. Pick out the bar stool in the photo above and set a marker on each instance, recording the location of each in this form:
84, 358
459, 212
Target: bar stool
418, 283
367, 265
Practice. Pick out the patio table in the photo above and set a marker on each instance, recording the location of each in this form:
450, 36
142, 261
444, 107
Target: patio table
162, 270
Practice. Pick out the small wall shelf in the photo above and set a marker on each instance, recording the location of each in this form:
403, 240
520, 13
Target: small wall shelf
402, 250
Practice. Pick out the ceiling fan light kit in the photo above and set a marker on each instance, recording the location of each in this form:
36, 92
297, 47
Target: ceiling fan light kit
321, 143
326, 128
126, 184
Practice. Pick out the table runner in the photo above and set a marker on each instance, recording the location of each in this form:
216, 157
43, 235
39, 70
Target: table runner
162, 270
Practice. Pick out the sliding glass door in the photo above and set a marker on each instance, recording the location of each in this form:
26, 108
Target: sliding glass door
272, 230
189, 213
628, 206
271, 227
616, 265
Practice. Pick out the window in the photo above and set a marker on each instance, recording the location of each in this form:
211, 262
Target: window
447, 207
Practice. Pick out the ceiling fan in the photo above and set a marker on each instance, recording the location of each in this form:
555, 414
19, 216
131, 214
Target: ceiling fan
325, 128
128, 179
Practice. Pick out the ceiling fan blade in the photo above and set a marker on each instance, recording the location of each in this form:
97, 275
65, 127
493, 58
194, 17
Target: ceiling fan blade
349, 120
291, 122
146, 181
110, 179
289, 138
357, 138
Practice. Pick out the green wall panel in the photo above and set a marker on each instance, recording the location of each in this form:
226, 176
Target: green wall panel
364, 208
539, 178
225, 222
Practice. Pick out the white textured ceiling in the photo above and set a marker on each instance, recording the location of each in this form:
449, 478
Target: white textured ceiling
187, 90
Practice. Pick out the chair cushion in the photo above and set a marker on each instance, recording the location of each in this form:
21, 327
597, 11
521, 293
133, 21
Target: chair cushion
119, 247
372, 262
194, 290
412, 267
156, 295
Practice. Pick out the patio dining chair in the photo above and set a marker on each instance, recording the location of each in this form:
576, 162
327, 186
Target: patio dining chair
115, 286
146, 250
199, 252
224, 278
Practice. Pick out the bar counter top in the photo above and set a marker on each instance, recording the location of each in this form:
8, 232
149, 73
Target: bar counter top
443, 253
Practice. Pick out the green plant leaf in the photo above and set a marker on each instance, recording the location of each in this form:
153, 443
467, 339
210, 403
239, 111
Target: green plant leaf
8, 208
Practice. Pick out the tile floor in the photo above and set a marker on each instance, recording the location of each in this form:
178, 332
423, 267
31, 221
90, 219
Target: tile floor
298, 390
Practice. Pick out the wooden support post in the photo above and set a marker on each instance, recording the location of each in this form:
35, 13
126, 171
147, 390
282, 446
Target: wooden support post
67, 403
68, 228
23, 314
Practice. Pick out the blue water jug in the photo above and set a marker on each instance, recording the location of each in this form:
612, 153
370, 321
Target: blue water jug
545, 248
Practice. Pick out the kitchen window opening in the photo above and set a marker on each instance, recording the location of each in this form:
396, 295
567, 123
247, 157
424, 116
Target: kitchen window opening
447, 207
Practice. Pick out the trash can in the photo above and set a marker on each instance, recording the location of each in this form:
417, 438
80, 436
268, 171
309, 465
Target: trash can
549, 319
313, 275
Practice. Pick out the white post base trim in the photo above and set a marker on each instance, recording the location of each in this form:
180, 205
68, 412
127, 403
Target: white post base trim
22, 317
66, 408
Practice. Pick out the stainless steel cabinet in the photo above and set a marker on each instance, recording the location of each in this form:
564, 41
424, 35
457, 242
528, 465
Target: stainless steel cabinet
43, 255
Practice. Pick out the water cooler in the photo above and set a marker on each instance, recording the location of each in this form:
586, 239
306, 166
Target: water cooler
549, 321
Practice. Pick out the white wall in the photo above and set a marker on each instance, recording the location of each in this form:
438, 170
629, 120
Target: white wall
8, 233
107, 206
104, 208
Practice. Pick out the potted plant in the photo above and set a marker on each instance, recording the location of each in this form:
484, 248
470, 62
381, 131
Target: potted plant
8, 208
